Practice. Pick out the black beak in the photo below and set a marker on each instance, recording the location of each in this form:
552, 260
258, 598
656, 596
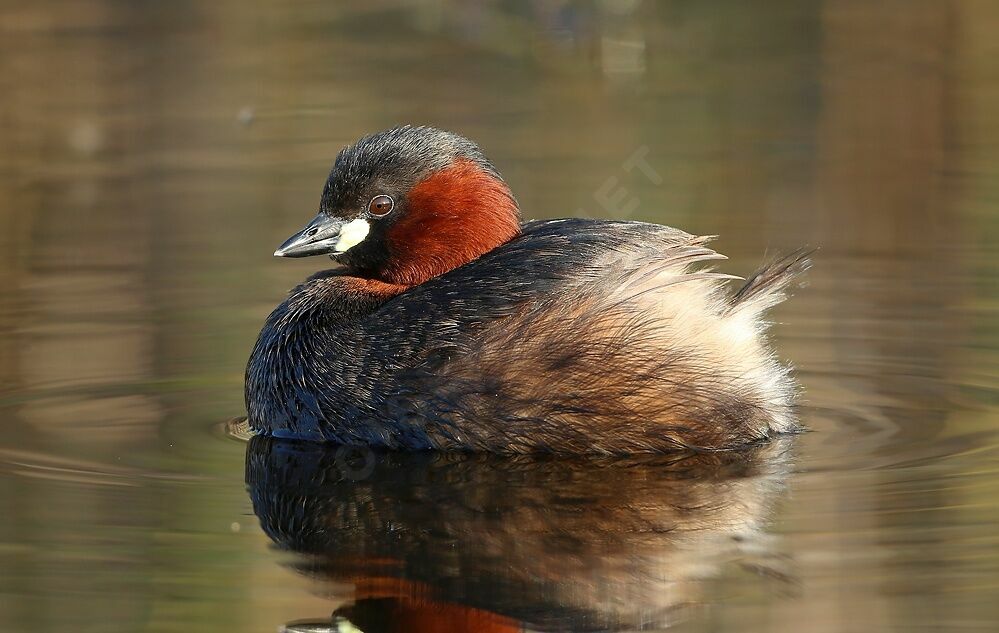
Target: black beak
317, 238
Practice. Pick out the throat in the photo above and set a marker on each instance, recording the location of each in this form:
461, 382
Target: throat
455, 216
332, 297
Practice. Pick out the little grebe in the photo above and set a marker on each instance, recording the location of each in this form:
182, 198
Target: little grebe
452, 325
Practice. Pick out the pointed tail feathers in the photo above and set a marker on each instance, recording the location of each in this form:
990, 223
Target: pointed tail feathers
768, 286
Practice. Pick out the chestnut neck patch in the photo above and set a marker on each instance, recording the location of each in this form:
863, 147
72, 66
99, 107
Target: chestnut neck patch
454, 216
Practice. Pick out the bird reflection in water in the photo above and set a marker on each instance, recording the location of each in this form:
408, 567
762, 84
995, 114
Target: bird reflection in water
457, 542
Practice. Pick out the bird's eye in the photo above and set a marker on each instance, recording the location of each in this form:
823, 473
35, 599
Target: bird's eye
381, 205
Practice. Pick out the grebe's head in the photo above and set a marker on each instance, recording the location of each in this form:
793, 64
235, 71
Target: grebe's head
408, 204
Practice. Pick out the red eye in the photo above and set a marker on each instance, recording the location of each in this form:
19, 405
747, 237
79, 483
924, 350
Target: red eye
380, 205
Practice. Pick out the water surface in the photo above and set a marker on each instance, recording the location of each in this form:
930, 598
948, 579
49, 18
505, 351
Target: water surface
152, 155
